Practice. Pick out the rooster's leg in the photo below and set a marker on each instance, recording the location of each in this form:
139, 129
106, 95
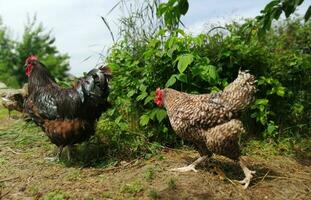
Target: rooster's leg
69, 152
248, 174
57, 157
60, 150
192, 166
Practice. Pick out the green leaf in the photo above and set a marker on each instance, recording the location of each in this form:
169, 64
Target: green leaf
142, 96
161, 9
271, 128
148, 99
183, 6
289, 10
171, 81
182, 78
277, 12
153, 113
253, 115
273, 3
308, 14
118, 119
226, 53
130, 93
299, 2
184, 61
171, 51
262, 102
142, 88
280, 91
161, 114
144, 120
212, 72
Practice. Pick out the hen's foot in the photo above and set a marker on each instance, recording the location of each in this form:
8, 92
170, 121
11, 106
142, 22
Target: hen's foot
190, 167
185, 169
248, 175
246, 181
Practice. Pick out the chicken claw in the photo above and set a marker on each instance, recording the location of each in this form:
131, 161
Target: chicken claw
248, 175
185, 169
190, 167
52, 159
57, 157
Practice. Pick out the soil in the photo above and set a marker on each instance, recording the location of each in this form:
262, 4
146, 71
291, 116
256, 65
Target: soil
25, 174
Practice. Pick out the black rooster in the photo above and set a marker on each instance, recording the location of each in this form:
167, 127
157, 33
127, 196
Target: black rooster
66, 115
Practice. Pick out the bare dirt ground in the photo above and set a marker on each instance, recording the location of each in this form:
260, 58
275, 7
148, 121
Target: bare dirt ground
24, 174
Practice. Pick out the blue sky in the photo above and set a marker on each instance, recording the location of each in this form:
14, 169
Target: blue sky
80, 32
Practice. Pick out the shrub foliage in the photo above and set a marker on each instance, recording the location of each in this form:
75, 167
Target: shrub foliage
205, 63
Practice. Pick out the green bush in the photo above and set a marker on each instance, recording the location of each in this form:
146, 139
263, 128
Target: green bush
35, 41
207, 63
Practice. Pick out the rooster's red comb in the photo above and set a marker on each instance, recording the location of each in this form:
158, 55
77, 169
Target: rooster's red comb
31, 58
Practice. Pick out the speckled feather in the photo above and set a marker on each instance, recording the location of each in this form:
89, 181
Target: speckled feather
209, 120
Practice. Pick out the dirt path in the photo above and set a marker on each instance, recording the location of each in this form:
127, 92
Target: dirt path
24, 174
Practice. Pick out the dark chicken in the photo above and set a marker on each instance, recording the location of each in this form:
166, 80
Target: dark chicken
66, 115
12, 102
210, 121
13, 99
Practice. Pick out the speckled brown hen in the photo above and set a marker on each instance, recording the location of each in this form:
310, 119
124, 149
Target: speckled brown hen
210, 121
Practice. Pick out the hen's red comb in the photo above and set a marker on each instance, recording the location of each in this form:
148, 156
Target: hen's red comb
158, 90
31, 58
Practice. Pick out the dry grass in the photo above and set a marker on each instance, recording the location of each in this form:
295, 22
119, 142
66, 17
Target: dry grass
25, 174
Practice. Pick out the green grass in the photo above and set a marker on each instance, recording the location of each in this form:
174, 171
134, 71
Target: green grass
283, 146
153, 194
3, 161
23, 134
171, 184
149, 174
133, 187
3, 113
56, 195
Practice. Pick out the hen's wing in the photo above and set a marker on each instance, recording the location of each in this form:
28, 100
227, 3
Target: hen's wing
223, 139
199, 111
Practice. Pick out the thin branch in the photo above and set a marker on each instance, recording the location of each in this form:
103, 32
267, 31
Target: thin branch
216, 27
113, 8
106, 23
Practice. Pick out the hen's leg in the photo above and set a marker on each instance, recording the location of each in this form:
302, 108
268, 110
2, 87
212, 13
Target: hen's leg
248, 174
192, 166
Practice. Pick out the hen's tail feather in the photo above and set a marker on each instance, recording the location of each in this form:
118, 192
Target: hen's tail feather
240, 93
